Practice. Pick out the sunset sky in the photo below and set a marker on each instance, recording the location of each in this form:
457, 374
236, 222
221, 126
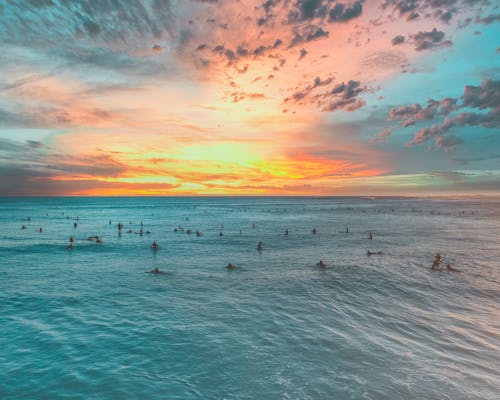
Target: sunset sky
240, 97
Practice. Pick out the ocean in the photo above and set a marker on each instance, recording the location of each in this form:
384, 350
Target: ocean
92, 323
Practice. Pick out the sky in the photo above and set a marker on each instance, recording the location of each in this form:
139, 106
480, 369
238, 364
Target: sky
241, 97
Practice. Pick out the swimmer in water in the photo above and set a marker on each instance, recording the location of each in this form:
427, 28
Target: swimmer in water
321, 264
75, 224
154, 245
40, 230
70, 246
156, 271
370, 253
231, 266
71, 240
286, 232
260, 246
221, 234
370, 236
437, 261
23, 227
98, 239
314, 231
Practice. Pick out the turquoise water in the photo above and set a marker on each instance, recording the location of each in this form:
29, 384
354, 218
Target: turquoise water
92, 324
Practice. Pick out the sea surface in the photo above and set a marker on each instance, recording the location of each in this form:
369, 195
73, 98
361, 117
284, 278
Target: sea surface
92, 323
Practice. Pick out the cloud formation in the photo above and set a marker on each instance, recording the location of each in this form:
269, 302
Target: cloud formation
478, 106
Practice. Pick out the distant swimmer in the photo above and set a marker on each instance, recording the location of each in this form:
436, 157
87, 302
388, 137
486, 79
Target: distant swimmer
437, 261
156, 271
286, 232
70, 246
371, 253
98, 239
198, 233
231, 266
154, 245
221, 234
129, 231
71, 239
75, 224
110, 222
142, 224
222, 226
148, 232
321, 264
40, 230
370, 236
314, 231
347, 230
260, 246
23, 227
141, 232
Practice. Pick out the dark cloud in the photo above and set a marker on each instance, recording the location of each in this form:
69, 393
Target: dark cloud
428, 40
443, 10
341, 12
397, 40
308, 34
307, 10
342, 96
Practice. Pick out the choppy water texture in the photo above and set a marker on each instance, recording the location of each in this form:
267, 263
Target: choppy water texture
91, 324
